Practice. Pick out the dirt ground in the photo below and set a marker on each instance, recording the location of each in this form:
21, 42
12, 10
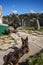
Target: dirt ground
35, 45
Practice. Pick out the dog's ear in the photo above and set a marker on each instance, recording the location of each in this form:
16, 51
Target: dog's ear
22, 39
26, 38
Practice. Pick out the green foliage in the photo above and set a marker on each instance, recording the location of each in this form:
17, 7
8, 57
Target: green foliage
36, 59
29, 28
26, 17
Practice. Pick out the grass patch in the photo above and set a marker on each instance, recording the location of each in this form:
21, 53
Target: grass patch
29, 28
26, 28
41, 29
36, 59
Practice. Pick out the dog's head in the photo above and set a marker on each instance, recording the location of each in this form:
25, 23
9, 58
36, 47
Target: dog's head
25, 45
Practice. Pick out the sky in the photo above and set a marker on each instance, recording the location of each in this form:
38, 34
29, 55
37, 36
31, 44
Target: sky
21, 6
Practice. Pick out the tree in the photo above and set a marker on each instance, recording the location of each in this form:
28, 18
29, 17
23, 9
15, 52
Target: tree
36, 24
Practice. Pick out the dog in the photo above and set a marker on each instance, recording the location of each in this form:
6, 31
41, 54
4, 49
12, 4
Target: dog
12, 58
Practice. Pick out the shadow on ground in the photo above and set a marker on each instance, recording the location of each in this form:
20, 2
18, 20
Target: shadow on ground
24, 63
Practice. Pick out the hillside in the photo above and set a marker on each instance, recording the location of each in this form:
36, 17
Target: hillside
23, 17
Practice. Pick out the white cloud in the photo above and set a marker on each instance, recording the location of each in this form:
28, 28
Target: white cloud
32, 11
15, 11
42, 11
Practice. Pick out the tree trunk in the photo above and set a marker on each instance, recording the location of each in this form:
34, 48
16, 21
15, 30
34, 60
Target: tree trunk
38, 25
